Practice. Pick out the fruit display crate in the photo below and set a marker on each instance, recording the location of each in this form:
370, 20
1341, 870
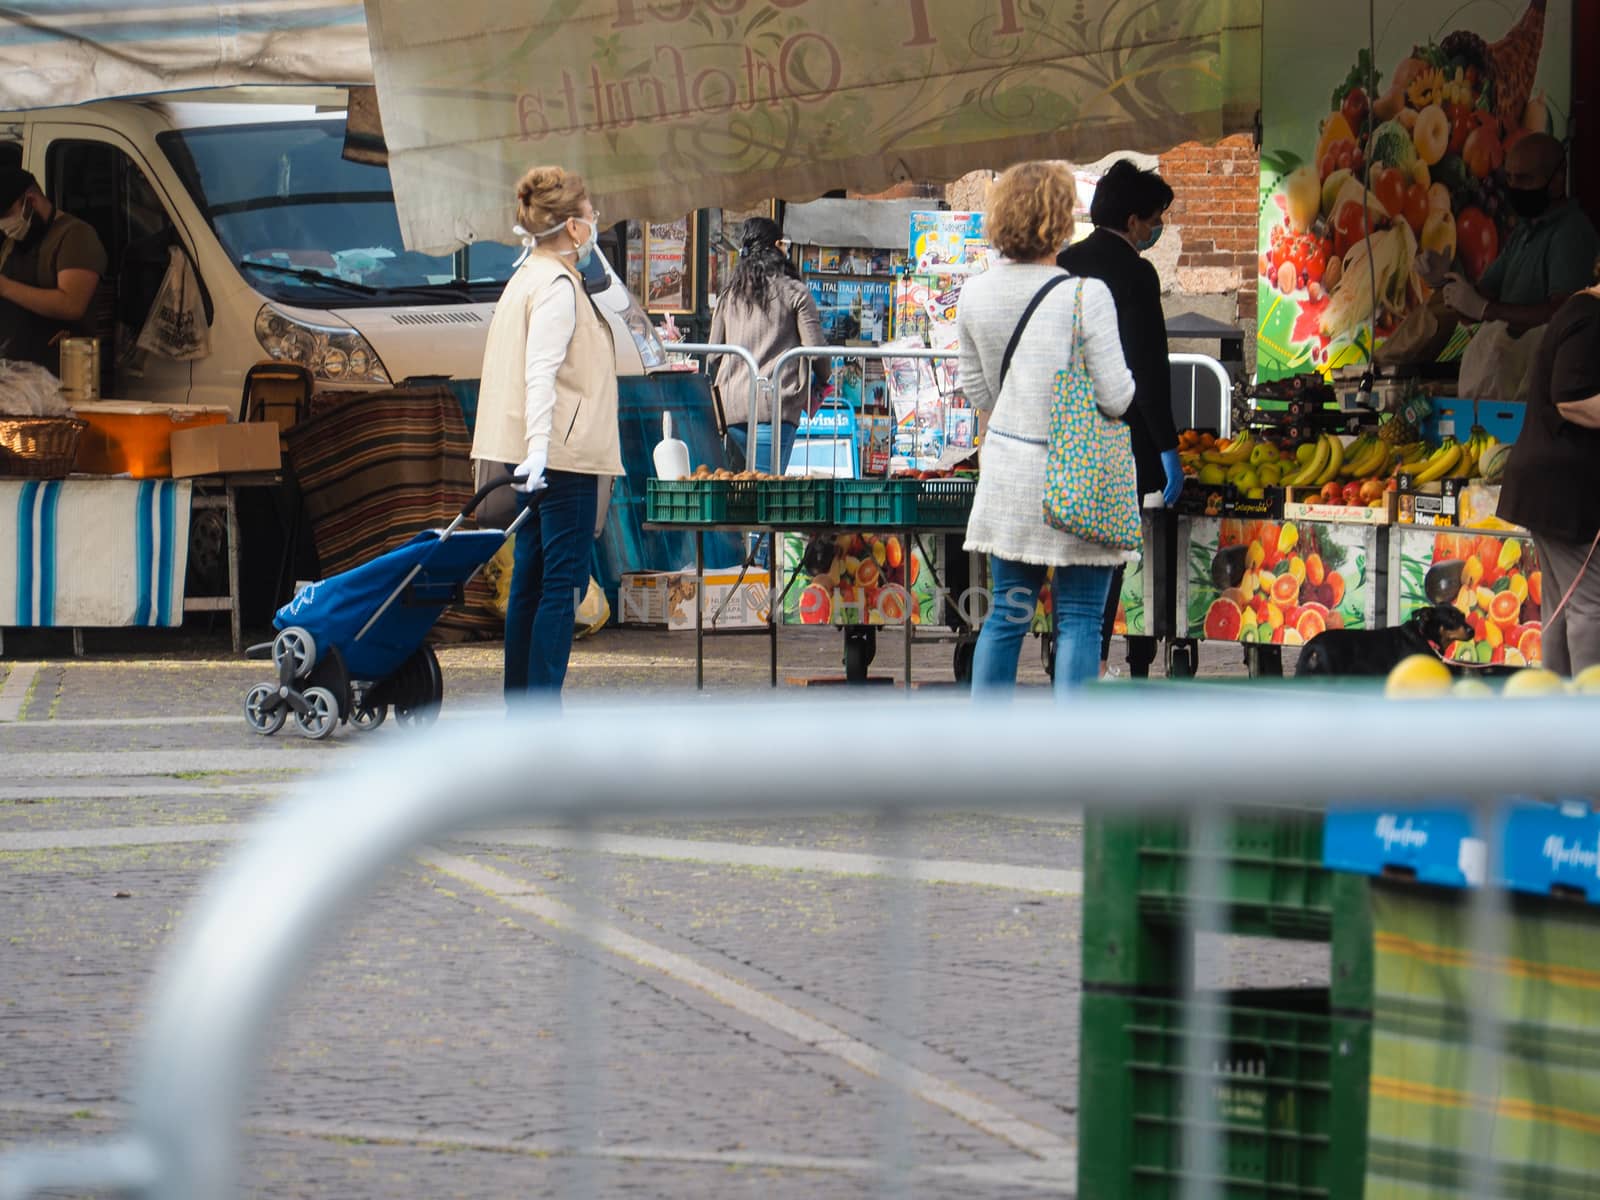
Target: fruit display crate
700, 501
874, 503
794, 502
1289, 1085
945, 501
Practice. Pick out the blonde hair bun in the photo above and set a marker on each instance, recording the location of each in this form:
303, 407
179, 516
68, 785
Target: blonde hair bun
549, 195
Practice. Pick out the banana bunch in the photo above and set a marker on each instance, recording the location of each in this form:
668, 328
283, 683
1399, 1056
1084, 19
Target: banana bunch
1481, 442
1440, 463
1366, 457
1325, 463
1238, 451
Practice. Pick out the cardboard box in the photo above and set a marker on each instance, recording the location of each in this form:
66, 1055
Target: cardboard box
668, 598
1302, 505
126, 437
226, 449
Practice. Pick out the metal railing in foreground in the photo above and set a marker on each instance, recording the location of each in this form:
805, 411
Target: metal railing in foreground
252, 932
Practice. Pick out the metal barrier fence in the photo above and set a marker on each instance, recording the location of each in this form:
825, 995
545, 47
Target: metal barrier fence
251, 935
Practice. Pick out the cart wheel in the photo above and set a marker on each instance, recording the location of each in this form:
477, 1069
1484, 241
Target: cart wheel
860, 648
264, 717
294, 651
368, 717
1047, 651
966, 646
419, 689
321, 717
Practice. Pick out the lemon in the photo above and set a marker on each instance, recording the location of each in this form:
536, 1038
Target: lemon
1587, 681
1418, 675
1534, 681
1474, 688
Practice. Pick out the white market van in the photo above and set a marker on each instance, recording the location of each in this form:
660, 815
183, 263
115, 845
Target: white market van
297, 248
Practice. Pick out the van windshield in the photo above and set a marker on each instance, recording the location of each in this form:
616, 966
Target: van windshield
308, 226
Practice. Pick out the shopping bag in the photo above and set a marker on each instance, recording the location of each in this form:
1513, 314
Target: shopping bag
176, 327
1498, 364
593, 612
1089, 488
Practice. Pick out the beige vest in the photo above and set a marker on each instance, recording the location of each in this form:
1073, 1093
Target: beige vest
583, 435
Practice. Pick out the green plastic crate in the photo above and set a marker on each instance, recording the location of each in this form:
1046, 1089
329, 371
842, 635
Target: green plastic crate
945, 501
743, 507
686, 501
1274, 883
875, 503
794, 502
1289, 1087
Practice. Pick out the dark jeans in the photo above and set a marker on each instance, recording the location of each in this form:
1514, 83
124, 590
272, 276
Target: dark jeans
550, 571
739, 435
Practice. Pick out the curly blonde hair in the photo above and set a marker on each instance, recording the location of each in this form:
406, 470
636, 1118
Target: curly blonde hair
1030, 210
547, 196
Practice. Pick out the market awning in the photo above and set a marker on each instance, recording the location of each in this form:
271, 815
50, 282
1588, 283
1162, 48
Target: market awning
54, 52
670, 105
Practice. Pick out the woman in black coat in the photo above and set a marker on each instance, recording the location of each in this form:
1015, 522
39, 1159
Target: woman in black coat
1127, 212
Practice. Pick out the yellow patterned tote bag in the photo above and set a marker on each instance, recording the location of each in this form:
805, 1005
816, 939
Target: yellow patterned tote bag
1089, 488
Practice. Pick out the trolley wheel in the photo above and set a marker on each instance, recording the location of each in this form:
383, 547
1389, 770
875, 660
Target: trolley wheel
1047, 652
321, 715
368, 717
294, 651
1182, 656
966, 647
418, 689
263, 716
860, 648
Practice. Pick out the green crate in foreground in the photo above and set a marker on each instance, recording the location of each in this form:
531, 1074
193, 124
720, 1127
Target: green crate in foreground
1289, 1090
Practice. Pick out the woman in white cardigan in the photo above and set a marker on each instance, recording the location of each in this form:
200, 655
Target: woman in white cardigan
1029, 221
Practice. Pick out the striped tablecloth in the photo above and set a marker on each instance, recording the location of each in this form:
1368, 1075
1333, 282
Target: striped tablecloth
81, 553
1429, 1119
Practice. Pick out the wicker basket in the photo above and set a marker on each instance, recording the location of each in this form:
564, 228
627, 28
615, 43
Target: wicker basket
39, 447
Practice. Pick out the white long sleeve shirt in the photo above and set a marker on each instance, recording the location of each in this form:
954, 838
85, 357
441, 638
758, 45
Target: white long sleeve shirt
552, 318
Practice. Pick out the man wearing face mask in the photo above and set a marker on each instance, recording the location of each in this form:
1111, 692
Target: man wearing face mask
1548, 255
548, 403
1127, 210
50, 265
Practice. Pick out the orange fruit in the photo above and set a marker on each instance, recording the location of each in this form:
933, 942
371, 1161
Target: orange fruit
1310, 624
1531, 645
1418, 675
1223, 621
1505, 608
1285, 589
1315, 572
1536, 588
1336, 586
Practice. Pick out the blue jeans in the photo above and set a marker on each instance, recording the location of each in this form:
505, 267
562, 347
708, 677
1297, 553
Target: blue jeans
739, 435
1080, 602
549, 574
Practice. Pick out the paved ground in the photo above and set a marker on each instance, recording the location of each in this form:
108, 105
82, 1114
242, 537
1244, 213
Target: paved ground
748, 1037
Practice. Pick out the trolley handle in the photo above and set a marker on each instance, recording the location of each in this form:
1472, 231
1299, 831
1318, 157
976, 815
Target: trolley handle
483, 493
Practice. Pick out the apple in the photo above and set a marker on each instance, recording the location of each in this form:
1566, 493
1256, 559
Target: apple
1352, 492
1332, 493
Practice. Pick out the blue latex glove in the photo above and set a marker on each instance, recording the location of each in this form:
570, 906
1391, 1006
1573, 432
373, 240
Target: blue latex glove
1174, 468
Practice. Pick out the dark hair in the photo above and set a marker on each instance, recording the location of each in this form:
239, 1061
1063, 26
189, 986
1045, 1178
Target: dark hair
760, 262
1126, 191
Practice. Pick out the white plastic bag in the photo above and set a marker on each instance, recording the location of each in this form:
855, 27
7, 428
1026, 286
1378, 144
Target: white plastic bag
176, 327
1496, 364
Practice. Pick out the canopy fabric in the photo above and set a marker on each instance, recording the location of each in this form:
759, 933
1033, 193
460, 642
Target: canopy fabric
55, 52
670, 105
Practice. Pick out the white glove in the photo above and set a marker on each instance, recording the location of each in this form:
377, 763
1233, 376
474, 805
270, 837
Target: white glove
1461, 296
1434, 267
529, 475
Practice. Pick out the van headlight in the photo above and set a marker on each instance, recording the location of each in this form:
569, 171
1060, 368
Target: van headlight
333, 354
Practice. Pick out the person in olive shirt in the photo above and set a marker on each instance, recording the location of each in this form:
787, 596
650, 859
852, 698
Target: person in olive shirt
1546, 258
50, 265
1552, 480
1127, 212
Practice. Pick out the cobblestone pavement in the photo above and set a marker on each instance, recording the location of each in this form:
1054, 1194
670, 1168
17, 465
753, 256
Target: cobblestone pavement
749, 1039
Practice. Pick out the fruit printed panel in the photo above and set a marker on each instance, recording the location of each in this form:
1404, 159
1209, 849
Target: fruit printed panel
1276, 582
1496, 581
858, 578
1380, 173
1130, 619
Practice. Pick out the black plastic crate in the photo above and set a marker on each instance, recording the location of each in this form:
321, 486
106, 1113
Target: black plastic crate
945, 501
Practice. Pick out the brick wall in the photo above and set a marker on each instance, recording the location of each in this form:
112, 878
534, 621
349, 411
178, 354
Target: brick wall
1215, 213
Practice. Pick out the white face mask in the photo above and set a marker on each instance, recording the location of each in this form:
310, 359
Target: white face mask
17, 226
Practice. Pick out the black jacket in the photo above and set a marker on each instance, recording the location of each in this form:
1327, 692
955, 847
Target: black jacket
1136, 288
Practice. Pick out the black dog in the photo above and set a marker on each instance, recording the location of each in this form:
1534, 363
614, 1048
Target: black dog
1376, 651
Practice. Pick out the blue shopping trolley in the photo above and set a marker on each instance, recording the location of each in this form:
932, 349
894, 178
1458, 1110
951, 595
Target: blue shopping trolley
352, 646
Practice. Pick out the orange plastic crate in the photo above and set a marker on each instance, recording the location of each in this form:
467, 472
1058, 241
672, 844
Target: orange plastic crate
129, 438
